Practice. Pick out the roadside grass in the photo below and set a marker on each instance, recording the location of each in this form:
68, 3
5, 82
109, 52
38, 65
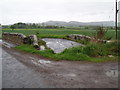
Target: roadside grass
76, 53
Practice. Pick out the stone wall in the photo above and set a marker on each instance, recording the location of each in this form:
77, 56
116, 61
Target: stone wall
15, 38
19, 39
34, 40
83, 37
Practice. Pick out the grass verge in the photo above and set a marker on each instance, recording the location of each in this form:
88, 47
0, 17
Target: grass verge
72, 54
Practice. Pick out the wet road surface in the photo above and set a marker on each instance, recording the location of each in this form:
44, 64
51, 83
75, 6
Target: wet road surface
17, 75
24, 70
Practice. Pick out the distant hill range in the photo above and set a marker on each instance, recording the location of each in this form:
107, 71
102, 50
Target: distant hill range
77, 24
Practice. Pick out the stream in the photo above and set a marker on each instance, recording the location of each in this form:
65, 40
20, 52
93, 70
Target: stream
59, 45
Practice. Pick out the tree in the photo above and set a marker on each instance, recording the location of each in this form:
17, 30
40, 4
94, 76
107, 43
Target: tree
12, 27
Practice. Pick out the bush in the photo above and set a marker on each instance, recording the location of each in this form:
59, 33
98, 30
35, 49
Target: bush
100, 33
90, 50
95, 50
79, 53
114, 48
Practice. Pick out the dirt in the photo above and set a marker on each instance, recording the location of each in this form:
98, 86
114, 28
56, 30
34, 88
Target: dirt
25, 70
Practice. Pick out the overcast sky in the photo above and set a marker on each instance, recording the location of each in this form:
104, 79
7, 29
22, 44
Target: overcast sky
37, 11
119, 11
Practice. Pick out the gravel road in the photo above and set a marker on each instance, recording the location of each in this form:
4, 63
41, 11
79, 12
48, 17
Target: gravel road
24, 70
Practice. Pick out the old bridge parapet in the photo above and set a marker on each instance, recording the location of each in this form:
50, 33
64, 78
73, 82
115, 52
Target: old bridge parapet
19, 39
84, 37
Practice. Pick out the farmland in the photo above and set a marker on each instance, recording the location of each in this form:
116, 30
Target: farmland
58, 33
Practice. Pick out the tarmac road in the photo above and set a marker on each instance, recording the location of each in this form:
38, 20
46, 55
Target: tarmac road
17, 75
24, 70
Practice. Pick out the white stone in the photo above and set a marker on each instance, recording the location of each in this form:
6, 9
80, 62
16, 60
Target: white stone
42, 47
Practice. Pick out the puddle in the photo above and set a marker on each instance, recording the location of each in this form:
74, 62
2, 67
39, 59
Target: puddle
67, 75
96, 81
0, 41
44, 62
32, 58
34, 62
112, 73
6, 44
71, 75
59, 45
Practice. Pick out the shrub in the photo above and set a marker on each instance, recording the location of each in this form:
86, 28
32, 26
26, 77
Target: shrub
95, 50
73, 50
100, 33
113, 47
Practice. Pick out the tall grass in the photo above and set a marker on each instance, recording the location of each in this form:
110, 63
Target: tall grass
92, 52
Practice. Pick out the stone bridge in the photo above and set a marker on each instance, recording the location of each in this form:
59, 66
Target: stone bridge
83, 37
19, 39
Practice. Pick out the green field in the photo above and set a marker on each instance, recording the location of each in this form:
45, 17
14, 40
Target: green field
58, 33
92, 52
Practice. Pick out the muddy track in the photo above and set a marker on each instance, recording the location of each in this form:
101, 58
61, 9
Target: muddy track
60, 74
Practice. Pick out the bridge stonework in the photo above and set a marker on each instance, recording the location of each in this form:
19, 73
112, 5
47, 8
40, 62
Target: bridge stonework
15, 38
83, 37
19, 39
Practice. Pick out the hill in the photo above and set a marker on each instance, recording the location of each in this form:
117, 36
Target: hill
77, 24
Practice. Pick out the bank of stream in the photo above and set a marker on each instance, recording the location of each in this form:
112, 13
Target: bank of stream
61, 49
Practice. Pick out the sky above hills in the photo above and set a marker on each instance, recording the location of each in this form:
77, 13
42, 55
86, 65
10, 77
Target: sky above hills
37, 11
